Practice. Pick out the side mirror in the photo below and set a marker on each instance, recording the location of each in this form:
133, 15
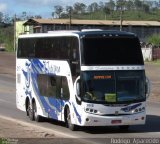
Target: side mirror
77, 88
147, 87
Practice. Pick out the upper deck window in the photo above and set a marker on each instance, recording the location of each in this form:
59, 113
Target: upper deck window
47, 47
111, 51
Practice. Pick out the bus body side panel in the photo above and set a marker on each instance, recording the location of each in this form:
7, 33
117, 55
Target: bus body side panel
22, 84
47, 106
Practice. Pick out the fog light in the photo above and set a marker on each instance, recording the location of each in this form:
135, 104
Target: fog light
136, 110
87, 119
87, 109
91, 110
95, 111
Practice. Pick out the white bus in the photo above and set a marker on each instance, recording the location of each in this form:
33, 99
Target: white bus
83, 78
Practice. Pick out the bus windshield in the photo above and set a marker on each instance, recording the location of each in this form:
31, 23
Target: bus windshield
111, 51
113, 86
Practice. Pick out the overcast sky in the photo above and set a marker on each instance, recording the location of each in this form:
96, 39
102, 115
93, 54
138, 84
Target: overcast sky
37, 7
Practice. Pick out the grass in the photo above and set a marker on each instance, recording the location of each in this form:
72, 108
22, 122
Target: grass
155, 62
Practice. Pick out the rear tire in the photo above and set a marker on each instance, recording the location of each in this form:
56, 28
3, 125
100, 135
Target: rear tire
30, 111
68, 121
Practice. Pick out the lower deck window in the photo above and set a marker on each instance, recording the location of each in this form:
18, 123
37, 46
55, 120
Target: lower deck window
46, 85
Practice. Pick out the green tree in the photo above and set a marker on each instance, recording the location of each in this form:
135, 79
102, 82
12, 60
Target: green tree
1, 17
111, 5
79, 8
146, 8
138, 4
154, 40
106, 10
121, 4
6, 37
101, 5
58, 10
130, 5
93, 7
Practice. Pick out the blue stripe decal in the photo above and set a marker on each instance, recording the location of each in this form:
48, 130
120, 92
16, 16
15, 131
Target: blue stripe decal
129, 108
51, 105
77, 114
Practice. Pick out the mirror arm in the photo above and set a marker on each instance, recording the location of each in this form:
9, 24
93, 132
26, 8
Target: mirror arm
75, 88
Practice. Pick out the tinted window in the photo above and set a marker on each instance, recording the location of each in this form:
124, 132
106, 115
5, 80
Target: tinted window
111, 51
113, 86
26, 48
65, 87
47, 48
47, 85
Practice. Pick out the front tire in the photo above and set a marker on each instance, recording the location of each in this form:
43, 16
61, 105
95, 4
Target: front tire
68, 121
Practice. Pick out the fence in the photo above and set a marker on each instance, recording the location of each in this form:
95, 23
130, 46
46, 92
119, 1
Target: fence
156, 54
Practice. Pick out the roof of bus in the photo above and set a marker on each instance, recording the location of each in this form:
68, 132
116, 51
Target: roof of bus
88, 32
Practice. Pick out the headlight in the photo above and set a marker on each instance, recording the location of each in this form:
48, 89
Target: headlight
90, 110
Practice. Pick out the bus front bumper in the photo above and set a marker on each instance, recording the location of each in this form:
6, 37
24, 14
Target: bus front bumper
97, 120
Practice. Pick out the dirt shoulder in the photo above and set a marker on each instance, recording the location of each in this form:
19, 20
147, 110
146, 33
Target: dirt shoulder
10, 128
17, 132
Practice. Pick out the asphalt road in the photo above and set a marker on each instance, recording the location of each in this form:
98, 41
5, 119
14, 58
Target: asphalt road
94, 135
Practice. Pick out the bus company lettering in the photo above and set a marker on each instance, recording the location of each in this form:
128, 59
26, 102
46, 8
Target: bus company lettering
54, 69
50, 68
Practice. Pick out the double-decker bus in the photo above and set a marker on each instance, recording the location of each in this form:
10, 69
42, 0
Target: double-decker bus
83, 78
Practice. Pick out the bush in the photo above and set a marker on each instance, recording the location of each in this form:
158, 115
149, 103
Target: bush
154, 40
7, 37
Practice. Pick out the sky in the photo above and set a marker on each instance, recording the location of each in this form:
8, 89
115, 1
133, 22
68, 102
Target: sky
37, 7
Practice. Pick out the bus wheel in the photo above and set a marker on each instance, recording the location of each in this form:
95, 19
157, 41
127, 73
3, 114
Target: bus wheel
124, 127
37, 117
68, 121
27, 110
30, 111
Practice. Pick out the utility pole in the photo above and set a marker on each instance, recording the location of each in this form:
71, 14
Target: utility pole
121, 19
70, 18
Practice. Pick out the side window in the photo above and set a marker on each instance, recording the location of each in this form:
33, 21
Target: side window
74, 57
26, 48
66, 93
46, 85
